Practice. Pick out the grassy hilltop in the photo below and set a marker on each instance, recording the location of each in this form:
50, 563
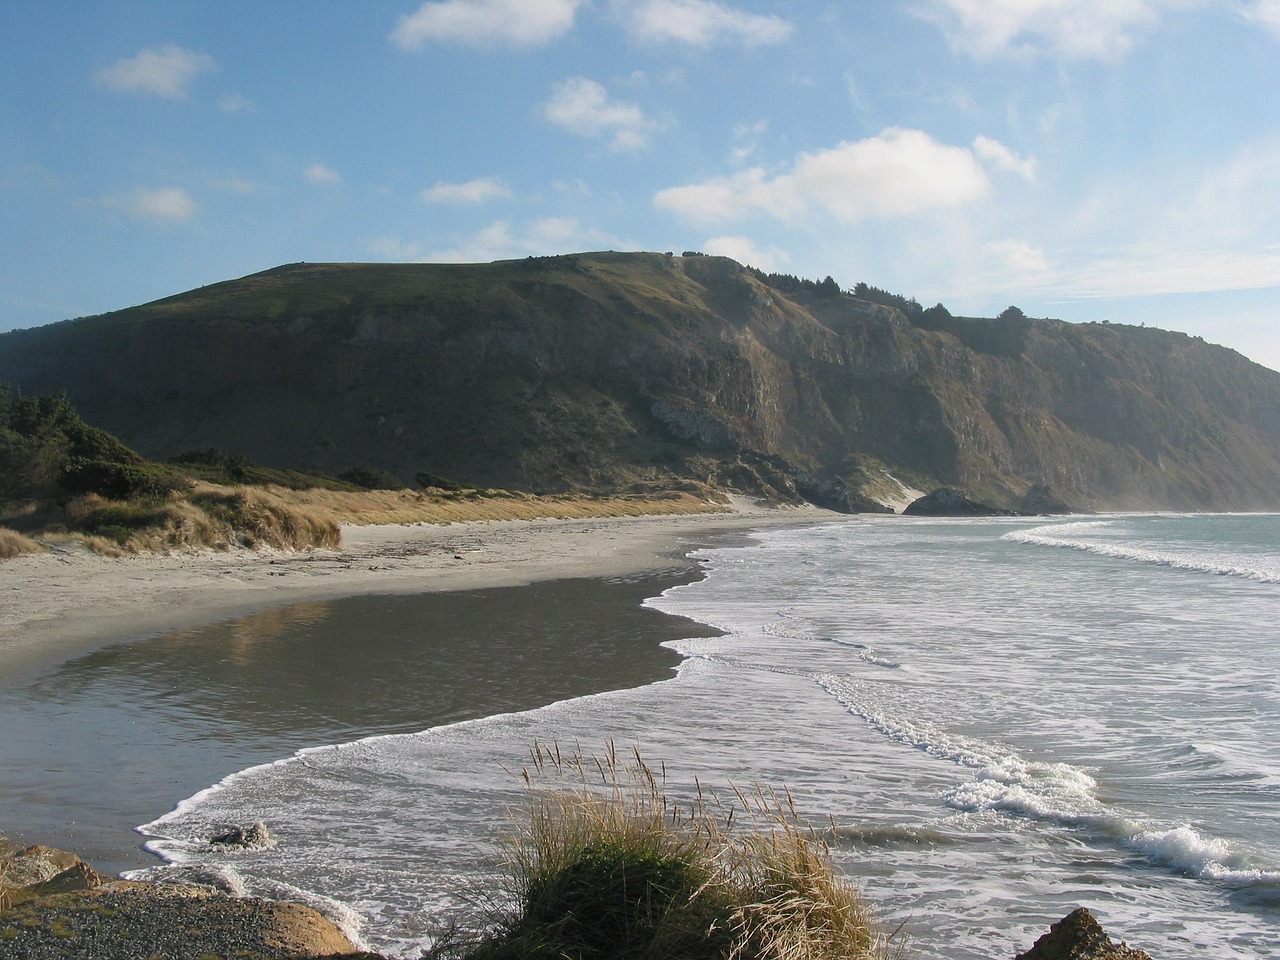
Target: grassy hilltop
609, 373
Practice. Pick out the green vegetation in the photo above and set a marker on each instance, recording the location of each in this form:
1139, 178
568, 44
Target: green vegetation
604, 865
215, 466
47, 451
60, 476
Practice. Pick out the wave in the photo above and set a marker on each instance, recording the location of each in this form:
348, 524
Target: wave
1074, 536
1006, 782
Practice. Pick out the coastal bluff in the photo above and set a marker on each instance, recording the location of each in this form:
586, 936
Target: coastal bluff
616, 372
54, 906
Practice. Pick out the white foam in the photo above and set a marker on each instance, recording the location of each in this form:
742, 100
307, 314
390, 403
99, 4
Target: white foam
1209, 858
1261, 570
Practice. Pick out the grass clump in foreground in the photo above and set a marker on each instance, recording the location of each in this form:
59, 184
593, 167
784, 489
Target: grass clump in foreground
14, 544
610, 867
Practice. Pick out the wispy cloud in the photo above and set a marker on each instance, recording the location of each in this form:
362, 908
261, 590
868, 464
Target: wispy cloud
897, 173
745, 250
1078, 29
502, 240
473, 191
583, 107
510, 23
1004, 158
1264, 12
235, 103
163, 72
701, 23
323, 175
159, 205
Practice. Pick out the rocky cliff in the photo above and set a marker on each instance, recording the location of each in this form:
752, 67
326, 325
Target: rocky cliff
603, 371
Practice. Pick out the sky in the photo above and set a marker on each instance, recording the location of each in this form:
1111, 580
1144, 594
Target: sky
1087, 160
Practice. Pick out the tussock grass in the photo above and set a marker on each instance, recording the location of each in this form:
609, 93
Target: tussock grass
14, 544
603, 864
8, 888
410, 506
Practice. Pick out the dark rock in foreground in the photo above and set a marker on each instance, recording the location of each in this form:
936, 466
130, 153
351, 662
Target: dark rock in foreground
945, 502
1078, 936
71, 911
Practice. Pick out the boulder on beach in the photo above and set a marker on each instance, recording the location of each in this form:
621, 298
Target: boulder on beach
1079, 936
255, 837
946, 502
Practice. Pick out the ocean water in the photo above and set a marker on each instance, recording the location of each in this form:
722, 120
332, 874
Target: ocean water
996, 721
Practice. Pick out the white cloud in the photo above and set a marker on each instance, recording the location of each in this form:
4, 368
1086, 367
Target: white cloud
502, 241
583, 107
700, 23
1015, 260
393, 248
514, 23
1004, 158
745, 250
1265, 12
321, 174
235, 103
1071, 28
161, 205
897, 173
164, 72
473, 191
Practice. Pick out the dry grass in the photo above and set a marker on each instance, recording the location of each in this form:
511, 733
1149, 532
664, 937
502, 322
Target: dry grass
8, 890
604, 865
14, 544
410, 506
211, 516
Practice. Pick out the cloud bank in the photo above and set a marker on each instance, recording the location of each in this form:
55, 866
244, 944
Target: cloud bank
894, 174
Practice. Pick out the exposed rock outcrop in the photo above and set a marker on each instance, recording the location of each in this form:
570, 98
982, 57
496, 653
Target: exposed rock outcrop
255, 837
945, 502
70, 911
1078, 936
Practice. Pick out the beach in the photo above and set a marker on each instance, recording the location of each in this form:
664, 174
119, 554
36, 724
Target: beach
128, 684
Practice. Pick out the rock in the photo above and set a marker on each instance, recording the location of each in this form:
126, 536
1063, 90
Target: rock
38, 864
255, 837
73, 879
945, 502
1041, 500
1078, 936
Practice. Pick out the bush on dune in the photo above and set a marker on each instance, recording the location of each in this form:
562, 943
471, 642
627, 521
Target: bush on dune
611, 868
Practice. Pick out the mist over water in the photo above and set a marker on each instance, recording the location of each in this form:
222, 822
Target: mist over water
1001, 720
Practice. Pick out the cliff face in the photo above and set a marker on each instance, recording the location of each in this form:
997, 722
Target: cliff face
598, 371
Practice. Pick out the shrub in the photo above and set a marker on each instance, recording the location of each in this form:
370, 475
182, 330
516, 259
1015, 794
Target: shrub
371, 478
611, 868
119, 481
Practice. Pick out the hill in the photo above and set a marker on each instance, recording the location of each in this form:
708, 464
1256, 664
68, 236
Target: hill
607, 372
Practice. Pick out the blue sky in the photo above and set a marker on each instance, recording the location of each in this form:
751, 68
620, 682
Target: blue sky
1083, 159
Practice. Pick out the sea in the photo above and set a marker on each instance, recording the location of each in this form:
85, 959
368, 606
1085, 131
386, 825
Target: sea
991, 721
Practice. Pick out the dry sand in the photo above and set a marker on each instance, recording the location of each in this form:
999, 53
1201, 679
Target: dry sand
56, 605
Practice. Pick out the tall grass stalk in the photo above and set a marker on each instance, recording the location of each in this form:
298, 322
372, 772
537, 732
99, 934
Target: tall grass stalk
603, 863
8, 889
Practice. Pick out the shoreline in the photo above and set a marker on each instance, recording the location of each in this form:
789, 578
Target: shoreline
67, 603
71, 623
